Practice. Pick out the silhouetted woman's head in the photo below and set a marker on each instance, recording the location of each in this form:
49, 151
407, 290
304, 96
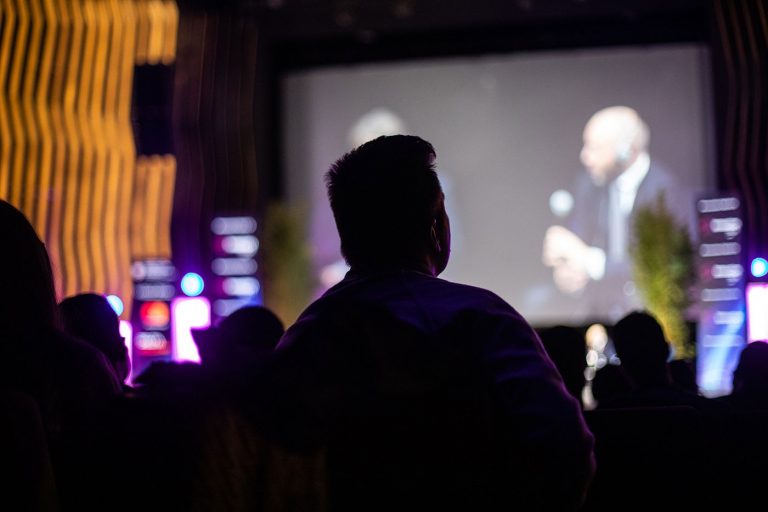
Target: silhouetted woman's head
89, 317
27, 295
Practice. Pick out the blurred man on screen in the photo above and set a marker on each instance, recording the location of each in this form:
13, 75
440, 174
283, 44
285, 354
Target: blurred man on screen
590, 255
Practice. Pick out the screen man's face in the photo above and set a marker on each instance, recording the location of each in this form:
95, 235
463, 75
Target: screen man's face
599, 153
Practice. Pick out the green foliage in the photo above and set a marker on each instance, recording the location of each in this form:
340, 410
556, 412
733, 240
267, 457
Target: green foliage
662, 265
287, 271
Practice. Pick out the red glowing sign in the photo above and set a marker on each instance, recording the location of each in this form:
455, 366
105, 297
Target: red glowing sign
155, 315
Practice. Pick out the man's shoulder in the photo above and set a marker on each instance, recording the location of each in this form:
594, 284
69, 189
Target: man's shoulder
403, 295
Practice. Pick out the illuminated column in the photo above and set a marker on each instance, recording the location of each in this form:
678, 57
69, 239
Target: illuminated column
721, 303
234, 266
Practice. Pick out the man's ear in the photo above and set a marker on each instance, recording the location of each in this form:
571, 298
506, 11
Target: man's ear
434, 238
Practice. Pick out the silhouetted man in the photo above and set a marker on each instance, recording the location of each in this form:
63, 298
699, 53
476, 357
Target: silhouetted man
427, 394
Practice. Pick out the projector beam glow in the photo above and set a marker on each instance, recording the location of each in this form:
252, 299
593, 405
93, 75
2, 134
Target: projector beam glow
192, 284
188, 313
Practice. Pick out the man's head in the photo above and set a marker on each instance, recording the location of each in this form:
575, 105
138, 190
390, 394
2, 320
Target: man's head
613, 139
388, 205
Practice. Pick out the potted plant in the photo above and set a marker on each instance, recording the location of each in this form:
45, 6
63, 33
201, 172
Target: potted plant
662, 267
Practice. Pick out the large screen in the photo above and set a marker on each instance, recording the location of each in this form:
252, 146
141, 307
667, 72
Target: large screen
544, 159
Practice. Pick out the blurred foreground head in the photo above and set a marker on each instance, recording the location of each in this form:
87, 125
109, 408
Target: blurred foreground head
89, 317
27, 295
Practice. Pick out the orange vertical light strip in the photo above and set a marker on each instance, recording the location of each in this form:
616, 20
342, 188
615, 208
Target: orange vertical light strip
18, 141
44, 119
127, 149
168, 168
142, 32
59, 16
8, 13
68, 237
31, 166
139, 209
156, 17
95, 117
112, 169
85, 184
171, 32
152, 206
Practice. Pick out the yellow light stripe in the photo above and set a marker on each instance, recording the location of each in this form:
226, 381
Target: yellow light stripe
31, 164
166, 204
55, 249
44, 119
112, 169
152, 206
98, 258
138, 228
84, 256
8, 13
142, 33
71, 281
156, 16
171, 32
19, 137
126, 150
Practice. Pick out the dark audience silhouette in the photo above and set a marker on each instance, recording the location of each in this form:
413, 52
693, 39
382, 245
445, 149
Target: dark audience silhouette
568, 350
425, 393
90, 318
67, 378
609, 383
644, 352
49, 383
750, 379
247, 336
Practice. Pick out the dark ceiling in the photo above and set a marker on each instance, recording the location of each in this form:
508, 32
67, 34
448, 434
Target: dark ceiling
323, 18
322, 32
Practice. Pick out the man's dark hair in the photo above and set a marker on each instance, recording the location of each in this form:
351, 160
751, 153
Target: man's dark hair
384, 196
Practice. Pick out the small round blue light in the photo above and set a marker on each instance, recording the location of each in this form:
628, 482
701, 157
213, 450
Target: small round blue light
759, 267
192, 284
116, 303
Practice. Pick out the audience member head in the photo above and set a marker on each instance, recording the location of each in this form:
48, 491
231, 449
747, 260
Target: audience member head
643, 350
751, 375
249, 333
27, 294
567, 349
90, 318
609, 383
388, 206
683, 373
